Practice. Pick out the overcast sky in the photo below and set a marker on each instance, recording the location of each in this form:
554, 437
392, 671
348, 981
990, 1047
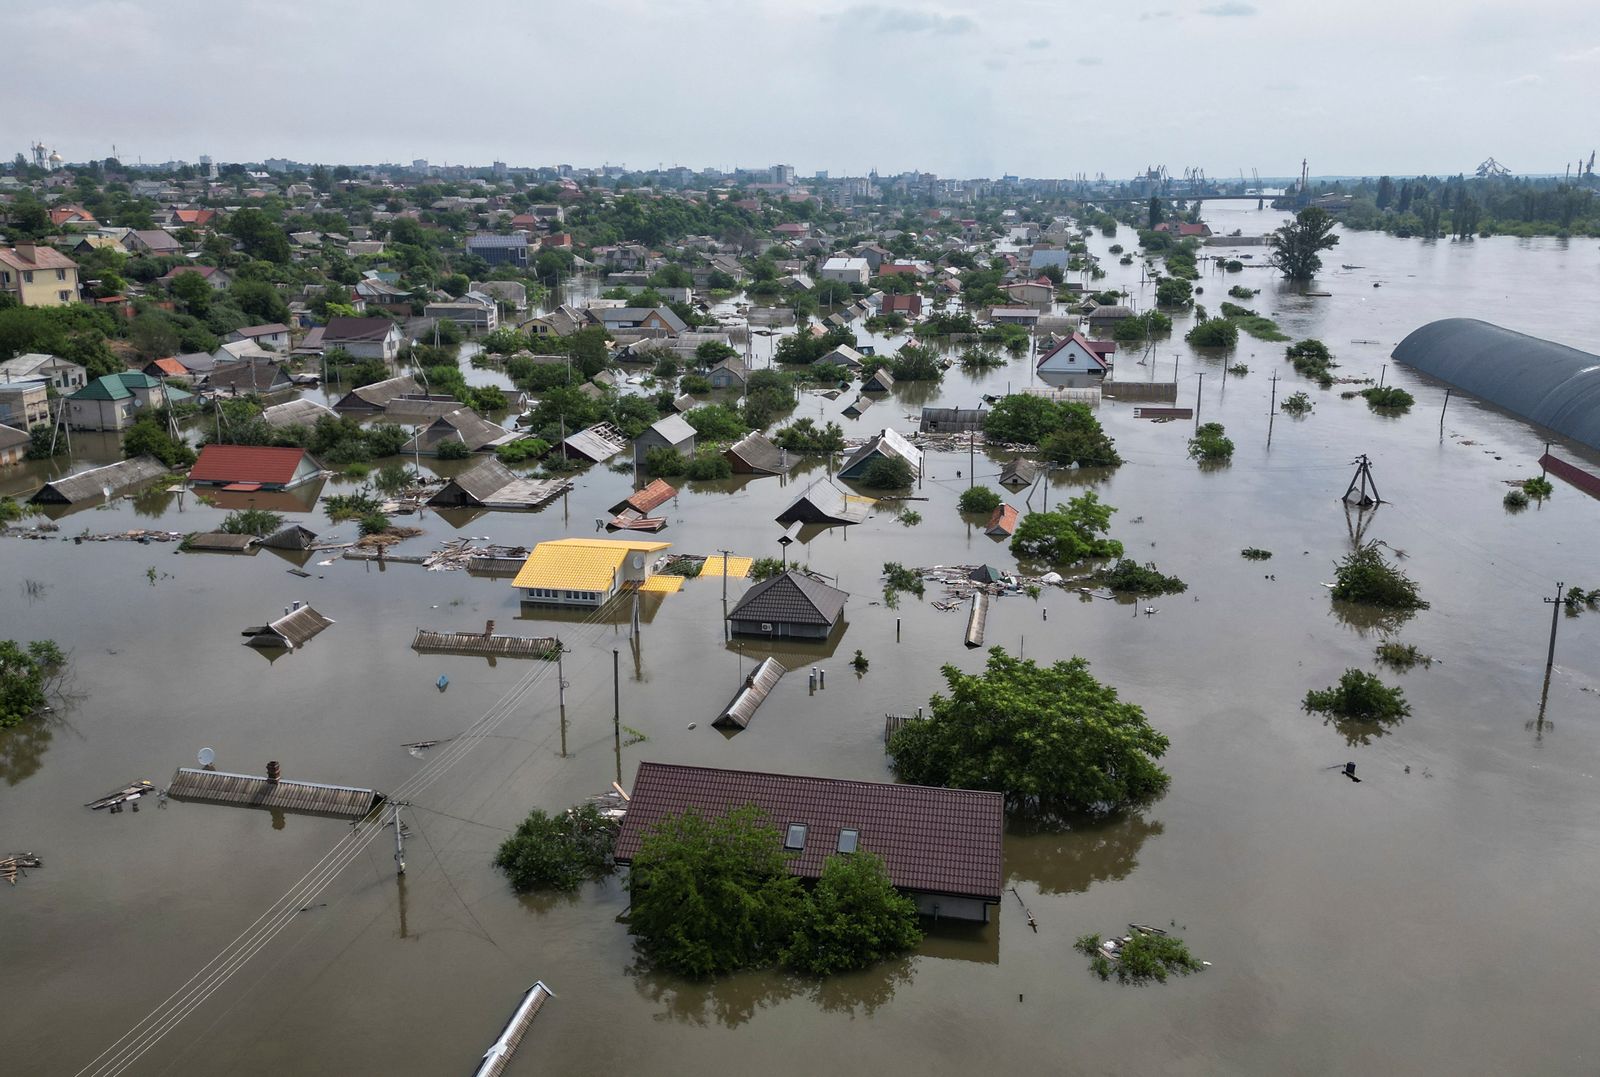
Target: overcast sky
1031, 87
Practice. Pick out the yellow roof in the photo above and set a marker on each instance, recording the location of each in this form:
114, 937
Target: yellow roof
579, 564
738, 567
661, 585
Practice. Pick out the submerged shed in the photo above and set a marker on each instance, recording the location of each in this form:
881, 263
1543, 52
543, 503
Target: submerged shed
489, 484
952, 421
755, 454
1550, 384
278, 794
597, 443
219, 542
825, 503
292, 630
293, 537
108, 481
742, 708
1002, 522
1018, 473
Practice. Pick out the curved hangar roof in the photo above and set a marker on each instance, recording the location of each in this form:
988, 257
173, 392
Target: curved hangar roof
1539, 380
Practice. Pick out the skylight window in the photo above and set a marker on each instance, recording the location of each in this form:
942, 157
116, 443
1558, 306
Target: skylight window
848, 839
796, 838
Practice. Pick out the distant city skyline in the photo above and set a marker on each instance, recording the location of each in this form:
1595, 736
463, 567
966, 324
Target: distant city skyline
1037, 88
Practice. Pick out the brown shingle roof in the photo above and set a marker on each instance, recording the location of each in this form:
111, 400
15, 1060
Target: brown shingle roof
941, 841
792, 598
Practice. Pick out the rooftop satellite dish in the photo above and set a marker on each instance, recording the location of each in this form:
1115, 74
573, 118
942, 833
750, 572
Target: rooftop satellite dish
638, 560
206, 757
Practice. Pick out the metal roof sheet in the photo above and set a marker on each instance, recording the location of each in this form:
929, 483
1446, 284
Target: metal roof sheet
579, 564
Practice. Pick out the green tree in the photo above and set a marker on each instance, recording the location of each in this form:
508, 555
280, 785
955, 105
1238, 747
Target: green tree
853, 918
148, 436
1154, 215
979, 499
1051, 738
887, 473
26, 674
261, 237
716, 422
1174, 292
193, 291
712, 895
558, 852
258, 522
1297, 246
1069, 534
259, 299
1211, 443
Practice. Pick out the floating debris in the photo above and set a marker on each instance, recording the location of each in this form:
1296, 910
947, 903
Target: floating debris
131, 791
18, 864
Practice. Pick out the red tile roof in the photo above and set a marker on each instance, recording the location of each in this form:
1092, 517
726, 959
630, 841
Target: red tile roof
941, 841
659, 492
194, 216
1002, 522
268, 465
169, 367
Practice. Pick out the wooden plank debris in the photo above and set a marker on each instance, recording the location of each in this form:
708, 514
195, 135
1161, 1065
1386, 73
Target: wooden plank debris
485, 644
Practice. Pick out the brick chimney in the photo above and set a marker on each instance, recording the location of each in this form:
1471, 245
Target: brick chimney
28, 252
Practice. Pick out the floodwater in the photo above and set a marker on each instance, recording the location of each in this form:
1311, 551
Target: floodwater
1437, 917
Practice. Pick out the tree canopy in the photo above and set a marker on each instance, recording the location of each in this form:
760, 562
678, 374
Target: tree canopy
25, 675
1296, 247
1050, 737
1069, 534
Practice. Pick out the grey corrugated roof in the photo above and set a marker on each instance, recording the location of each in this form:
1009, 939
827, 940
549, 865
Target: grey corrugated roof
460, 424
939, 841
674, 429
1539, 380
762, 680
790, 598
88, 485
755, 453
496, 242
11, 437
479, 481
296, 413
378, 394
598, 443
823, 502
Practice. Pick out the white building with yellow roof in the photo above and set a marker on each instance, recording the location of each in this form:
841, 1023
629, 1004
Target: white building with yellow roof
584, 572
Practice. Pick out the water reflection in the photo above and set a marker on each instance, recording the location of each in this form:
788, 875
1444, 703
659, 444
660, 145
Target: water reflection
22, 749
733, 1000
1070, 854
153, 501
1369, 619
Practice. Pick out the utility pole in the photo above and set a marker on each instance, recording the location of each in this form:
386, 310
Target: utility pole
616, 710
1555, 621
1198, 388
399, 841
1272, 408
1442, 411
561, 696
1363, 478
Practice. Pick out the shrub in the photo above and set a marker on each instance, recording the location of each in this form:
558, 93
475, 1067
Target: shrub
392, 478
1388, 398
763, 568
1149, 955
853, 917
1174, 292
695, 383
1515, 499
1402, 655
1364, 576
979, 499
1359, 696
452, 450
1238, 291
716, 422
522, 450
1312, 359
340, 507
910, 518
978, 359
373, 523
1296, 404
1233, 265
1211, 443
26, 674
665, 462
558, 852
708, 464
258, 522
1130, 577
1255, 553
899, 578
1213, 333
1068, 535
1238, 370
805, 437
887, 473
1538, 487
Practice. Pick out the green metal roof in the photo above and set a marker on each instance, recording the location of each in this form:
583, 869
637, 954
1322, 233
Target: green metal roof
115, 386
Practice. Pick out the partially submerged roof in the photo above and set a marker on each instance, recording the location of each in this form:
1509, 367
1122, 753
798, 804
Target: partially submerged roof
1003, 521
657, 493
270, 465
300, 412
791, 597
599, 443
356, 329
824, 503
673, 429
377, 395
250, 791
1538, 380
110, 480
579, 564
751, 694
756, 454
291, 630
886, 443
938, 841
219, 542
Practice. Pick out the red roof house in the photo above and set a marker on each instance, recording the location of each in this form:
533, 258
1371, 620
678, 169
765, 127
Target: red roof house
254, 467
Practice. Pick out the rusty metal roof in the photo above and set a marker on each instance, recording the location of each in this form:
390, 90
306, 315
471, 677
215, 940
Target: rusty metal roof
941, 841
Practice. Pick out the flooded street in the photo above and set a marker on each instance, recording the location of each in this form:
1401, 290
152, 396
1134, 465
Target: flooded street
1422, 921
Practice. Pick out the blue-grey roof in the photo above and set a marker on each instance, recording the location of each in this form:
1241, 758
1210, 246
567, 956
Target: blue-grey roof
1538, 380
495, 242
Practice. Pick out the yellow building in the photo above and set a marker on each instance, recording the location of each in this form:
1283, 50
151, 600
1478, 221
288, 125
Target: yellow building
38, 276
584, 572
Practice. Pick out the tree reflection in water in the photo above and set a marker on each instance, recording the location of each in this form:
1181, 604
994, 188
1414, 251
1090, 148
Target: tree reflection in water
733, 1000
22, 749
1369, 619
1068, 854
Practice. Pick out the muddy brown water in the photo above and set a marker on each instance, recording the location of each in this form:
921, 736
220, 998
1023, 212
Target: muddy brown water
1436, 917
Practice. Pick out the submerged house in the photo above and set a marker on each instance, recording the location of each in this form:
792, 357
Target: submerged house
489, 484
597, 443
1078, 354
254, 467
463, 426
951, 421
672, 432
755, 454
108, 481
940, 847
583, 572
789, 605
824, 503
887, 444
